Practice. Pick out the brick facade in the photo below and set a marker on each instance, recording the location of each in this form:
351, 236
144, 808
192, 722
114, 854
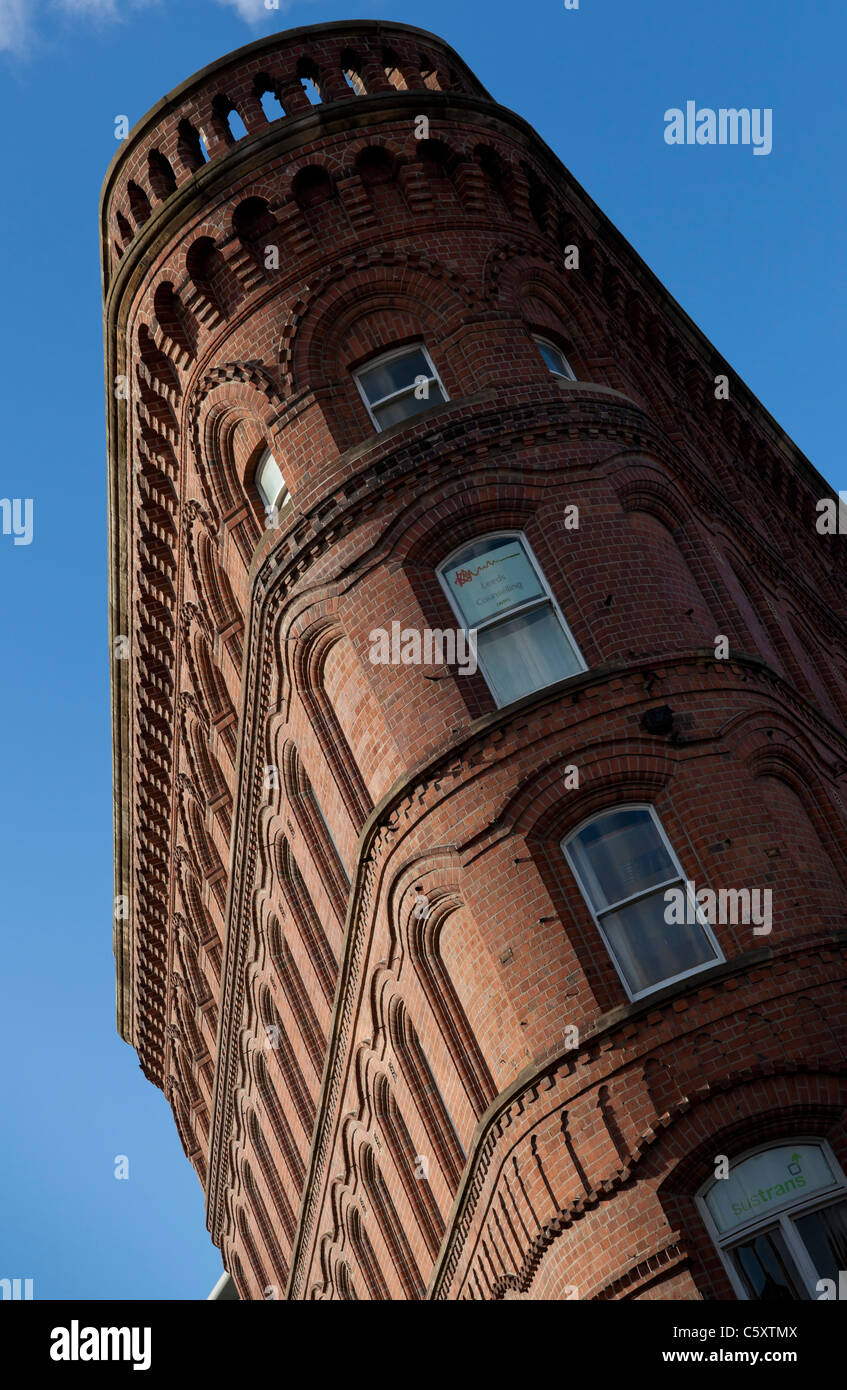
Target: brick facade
381, 1105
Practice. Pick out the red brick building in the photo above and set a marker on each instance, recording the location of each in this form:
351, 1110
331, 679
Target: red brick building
411, 928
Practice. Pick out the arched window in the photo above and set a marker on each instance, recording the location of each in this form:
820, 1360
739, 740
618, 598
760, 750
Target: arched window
399, 384
351, 68
271, 485
267, 90
555, 359
779, 1221
162, 176
636, 889
496, 589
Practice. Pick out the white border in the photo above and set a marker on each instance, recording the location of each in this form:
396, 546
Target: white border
405, 390
681, 879
283, 496
724, 1244
536, 338
547, 597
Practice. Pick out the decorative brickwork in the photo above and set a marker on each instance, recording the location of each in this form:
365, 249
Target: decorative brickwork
463, 1102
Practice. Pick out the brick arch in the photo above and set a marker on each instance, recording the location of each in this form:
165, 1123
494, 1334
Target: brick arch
498, 175
289, 1073
208, 934
215, 589
682, 572
343, 1283
186, 1048
832, 662
798, 773
223, 399
646, 484
746, 598
542, 810
285, 971
547, 308
259, 1210
812, 1100
348, 1228
250, 1248
301, 798
177, 327
821, 678
385, 1213
418, 937
200, 991
435, 1118
310, 342
289, 880
265, 1094
399, 1144
326, 672
206, 678
188, 1139
365, 1258
311, 652
515, 271
356, 157
202, 846
204, 767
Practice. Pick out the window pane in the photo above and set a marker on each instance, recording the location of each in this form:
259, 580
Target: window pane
405, 406
620, 855
824, 1235
556, 360
269, 479
526, 653
648, 949
393, 375
764, 1182
490, 577
767, 1270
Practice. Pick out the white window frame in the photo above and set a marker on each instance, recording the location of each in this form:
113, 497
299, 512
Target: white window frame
783, 1219
283, 495
433, 379
680, 879
547, 342
497, 618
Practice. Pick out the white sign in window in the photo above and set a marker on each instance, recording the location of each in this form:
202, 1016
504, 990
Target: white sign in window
767, 1183
493, 582
497, 589
779, 1222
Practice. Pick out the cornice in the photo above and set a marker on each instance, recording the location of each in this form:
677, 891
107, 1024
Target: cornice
260, 48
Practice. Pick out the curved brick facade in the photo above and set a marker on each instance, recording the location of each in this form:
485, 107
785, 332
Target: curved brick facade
461, 1103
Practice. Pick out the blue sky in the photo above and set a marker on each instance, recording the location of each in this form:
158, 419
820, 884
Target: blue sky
752, 247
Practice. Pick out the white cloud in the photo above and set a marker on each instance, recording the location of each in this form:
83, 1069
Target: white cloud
254, 11
17, 16
13, 17
100, 9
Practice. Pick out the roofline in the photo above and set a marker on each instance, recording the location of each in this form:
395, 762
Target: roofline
269, 44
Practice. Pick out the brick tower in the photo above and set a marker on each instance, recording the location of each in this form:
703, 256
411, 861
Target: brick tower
479, 711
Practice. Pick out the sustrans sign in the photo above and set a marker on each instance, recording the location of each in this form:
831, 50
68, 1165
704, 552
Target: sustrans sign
768, 1182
